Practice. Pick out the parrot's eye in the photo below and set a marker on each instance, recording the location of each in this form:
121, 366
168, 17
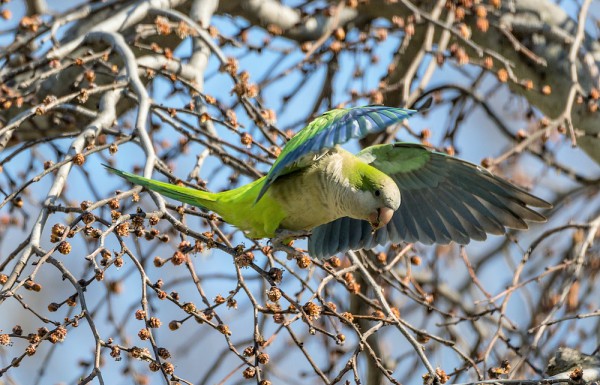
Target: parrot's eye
377, 193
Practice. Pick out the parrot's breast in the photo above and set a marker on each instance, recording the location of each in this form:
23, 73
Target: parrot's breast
314, 195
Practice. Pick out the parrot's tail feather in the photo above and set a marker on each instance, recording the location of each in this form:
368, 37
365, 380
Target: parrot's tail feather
184, 194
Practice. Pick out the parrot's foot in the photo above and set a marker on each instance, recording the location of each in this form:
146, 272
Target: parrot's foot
290, 235
284, 239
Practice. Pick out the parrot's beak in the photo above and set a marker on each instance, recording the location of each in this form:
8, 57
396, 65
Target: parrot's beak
381, 217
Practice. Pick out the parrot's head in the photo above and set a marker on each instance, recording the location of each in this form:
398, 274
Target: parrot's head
379, 198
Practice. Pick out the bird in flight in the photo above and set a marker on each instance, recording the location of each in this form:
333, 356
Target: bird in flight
385, 193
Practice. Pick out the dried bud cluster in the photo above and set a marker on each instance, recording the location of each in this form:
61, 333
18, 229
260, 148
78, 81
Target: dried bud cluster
335, 262
5, 340
79, 159
303, 261
64, 247
351, 284
312, 310
274, 294
496, 372
442, 376
244, 259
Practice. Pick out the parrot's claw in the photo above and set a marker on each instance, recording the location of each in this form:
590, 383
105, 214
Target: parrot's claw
289, 235
284, 239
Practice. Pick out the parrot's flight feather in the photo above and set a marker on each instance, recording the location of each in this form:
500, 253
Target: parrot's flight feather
328, 130
444, 199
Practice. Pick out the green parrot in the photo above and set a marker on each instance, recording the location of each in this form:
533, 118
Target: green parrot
385, 193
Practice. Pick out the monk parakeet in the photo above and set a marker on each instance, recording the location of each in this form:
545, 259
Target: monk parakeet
385, 193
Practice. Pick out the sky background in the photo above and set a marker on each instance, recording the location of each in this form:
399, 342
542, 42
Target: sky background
477, 140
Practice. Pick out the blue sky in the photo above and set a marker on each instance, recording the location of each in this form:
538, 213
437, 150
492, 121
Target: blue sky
477, 140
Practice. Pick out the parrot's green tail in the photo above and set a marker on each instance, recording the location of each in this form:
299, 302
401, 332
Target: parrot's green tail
184, 194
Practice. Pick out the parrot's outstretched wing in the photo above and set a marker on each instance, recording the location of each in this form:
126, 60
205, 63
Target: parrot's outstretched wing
444, 199
332, 128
